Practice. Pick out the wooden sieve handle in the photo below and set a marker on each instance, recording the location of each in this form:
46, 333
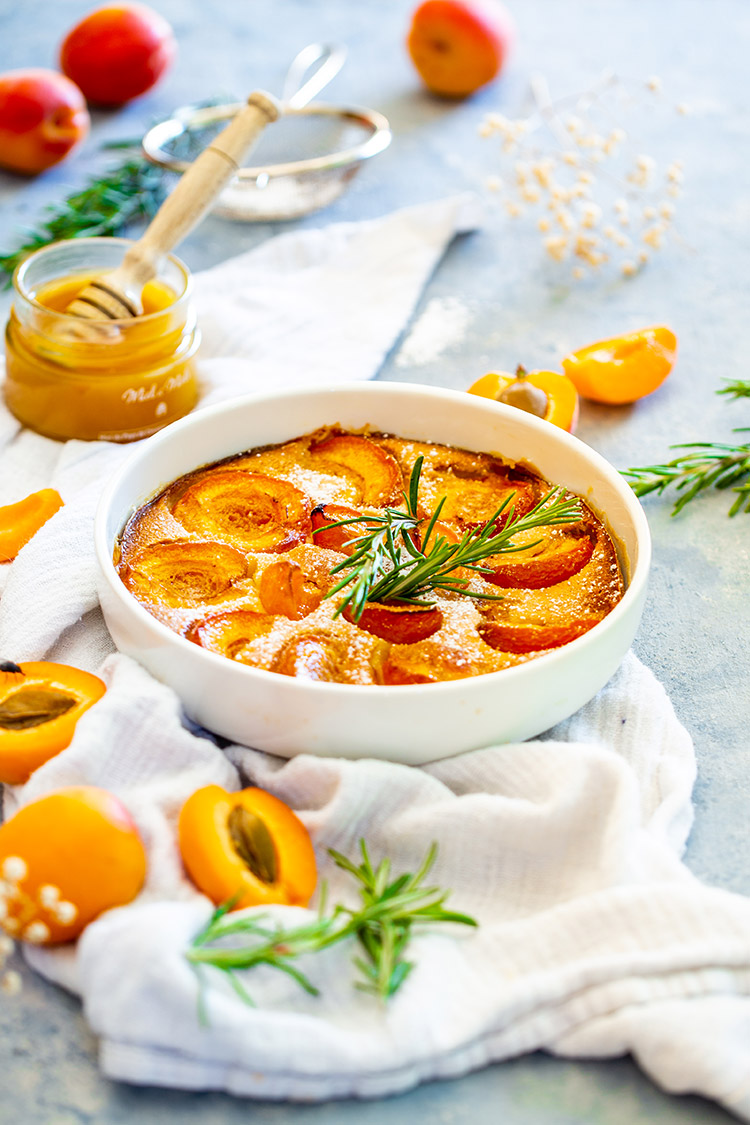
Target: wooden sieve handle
186, 205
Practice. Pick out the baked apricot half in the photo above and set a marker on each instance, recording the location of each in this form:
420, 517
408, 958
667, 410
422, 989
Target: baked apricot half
286, 588
399, 624
526, 636
247, 847
329, 532
312, 656
472, 501
379, 476
556, 556
182, 572
251, 511
230, 633
412, 665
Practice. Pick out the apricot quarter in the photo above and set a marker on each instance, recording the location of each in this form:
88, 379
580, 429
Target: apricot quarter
20, 522
625, 368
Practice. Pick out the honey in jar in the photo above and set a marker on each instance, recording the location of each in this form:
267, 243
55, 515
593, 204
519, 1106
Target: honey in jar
114, 380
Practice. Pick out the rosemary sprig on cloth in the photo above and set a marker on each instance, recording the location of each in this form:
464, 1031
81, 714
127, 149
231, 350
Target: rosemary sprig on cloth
387, 564
382, 924
710, 465
390, 909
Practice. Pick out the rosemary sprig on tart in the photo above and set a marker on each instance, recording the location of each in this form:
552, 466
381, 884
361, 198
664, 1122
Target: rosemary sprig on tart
394, 561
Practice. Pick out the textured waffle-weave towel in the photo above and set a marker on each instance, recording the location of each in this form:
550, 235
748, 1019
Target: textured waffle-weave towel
594, 939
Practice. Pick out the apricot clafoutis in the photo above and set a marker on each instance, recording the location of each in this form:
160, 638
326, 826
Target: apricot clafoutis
269, 559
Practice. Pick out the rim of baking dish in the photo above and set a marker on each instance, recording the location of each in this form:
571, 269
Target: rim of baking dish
635, 580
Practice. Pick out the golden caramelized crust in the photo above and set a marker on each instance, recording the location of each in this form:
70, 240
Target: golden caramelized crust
237, 557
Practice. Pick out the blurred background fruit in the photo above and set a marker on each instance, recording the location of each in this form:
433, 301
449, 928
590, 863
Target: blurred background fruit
118, 52
43, 117
459, 46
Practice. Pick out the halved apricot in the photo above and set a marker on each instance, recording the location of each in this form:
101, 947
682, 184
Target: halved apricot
559, 554
547, 394
230, 633
399, 624
248, 510
182, 572
247, 846
286, 588
312, 656
378, 473
527, 636
39, 709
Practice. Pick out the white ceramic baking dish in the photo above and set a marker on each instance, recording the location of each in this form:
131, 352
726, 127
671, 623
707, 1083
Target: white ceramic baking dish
413, 723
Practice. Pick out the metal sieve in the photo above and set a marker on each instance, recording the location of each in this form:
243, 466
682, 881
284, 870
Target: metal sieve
341, 139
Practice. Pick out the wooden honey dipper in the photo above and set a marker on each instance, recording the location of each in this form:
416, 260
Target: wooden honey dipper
117, 295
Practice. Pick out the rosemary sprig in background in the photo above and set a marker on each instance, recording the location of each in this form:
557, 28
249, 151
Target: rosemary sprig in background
382, 924
106, 205
711, 465
387, 565
739, 388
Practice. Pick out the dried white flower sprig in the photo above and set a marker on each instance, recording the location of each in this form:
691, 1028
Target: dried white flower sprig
10, 980
578, 170
23, 916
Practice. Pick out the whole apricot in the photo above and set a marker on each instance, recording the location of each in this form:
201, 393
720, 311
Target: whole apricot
64, 859
118, 52
43, 117
458, 46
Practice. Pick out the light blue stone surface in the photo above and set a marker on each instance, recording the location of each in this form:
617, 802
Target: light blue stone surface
697, 622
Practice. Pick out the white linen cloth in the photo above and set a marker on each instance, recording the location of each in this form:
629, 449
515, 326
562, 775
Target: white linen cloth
594, 938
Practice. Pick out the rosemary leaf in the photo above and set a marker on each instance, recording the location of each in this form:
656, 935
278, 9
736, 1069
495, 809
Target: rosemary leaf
386, 565
106, 205
740, 388
710, 465
382, 924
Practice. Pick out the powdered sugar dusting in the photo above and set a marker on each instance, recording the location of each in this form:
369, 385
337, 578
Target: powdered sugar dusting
442, 325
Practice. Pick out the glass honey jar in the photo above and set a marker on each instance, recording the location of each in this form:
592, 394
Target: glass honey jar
114, 380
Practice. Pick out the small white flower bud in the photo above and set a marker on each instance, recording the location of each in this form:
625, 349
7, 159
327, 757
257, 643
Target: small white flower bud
14, 868
10, 983
36, 933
